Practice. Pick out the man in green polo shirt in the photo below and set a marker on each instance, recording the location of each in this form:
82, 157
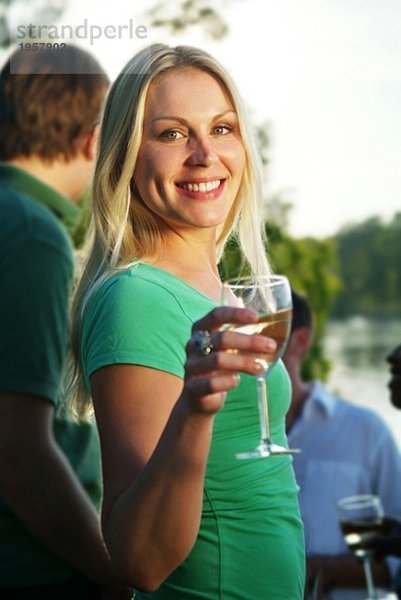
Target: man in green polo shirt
50, 542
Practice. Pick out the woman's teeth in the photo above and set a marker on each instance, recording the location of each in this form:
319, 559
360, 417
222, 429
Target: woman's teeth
206, 186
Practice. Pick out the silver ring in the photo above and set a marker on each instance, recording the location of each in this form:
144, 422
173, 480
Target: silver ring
203, 342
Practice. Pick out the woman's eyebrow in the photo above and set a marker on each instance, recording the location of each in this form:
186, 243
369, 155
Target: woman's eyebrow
185, 122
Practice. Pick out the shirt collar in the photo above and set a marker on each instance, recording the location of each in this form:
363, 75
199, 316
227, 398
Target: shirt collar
320, 398
63, 208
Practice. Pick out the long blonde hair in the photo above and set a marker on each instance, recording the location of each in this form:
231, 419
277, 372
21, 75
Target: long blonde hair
123, 230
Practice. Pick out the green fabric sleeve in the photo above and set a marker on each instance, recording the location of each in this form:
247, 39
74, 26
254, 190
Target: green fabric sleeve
135, 320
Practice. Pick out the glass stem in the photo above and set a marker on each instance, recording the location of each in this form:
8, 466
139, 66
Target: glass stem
369, 579
263, 406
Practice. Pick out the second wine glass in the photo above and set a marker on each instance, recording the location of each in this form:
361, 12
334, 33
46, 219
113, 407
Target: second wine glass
361, 521
270, 297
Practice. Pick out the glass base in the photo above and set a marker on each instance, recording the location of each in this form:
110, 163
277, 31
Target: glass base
266, 450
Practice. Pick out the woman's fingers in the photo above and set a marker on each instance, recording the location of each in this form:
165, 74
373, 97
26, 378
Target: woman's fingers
231, 340
227, 351
225, 314
216, 357
205, 386
224, 362
209, 393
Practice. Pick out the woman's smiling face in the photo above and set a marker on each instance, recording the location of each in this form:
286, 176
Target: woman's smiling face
191, 158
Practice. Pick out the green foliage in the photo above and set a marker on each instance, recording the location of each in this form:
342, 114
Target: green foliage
5, 38
370, 259
79, 232
174, 16
312, 268
44, 12
178, 15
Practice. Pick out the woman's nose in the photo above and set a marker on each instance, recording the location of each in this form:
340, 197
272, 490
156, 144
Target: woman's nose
202, 153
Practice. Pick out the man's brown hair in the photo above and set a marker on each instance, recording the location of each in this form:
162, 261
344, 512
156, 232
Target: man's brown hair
49, 99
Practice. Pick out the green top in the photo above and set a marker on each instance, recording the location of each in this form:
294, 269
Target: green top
36, 266
250, 544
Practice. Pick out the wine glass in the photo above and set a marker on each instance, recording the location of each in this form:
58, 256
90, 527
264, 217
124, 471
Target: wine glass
361, 520
270, 297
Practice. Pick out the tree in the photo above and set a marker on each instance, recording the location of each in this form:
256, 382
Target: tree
369, 258
312, 268
41, 11
177, 15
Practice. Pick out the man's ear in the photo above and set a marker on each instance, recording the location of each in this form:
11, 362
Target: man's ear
89, 144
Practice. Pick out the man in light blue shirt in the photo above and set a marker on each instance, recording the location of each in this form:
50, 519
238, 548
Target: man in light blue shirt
346, 449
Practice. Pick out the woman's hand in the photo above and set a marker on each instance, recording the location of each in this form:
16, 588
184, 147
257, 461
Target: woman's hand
214, 370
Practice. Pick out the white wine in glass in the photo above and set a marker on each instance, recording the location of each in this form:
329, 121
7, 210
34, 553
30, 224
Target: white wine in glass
361, 521
270, 297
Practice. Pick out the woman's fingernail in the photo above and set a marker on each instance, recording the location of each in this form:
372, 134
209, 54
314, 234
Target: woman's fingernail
269, 344
237, 379
258, 366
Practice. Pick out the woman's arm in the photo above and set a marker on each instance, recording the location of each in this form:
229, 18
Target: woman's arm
155, 432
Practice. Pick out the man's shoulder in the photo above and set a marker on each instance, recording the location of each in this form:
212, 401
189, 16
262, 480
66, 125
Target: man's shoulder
363, 417
344, 407
23, 219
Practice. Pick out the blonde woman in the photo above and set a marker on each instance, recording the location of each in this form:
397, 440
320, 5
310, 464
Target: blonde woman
177, 173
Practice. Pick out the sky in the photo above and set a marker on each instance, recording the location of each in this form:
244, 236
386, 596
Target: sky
324, 75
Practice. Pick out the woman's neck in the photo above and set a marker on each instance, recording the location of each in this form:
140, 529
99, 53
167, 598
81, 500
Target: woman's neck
194, 263
204, 278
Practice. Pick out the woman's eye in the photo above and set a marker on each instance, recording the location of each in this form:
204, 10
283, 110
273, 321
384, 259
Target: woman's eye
222, 129
171, 135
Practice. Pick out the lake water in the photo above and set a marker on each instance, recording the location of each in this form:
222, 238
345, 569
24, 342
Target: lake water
357, 348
